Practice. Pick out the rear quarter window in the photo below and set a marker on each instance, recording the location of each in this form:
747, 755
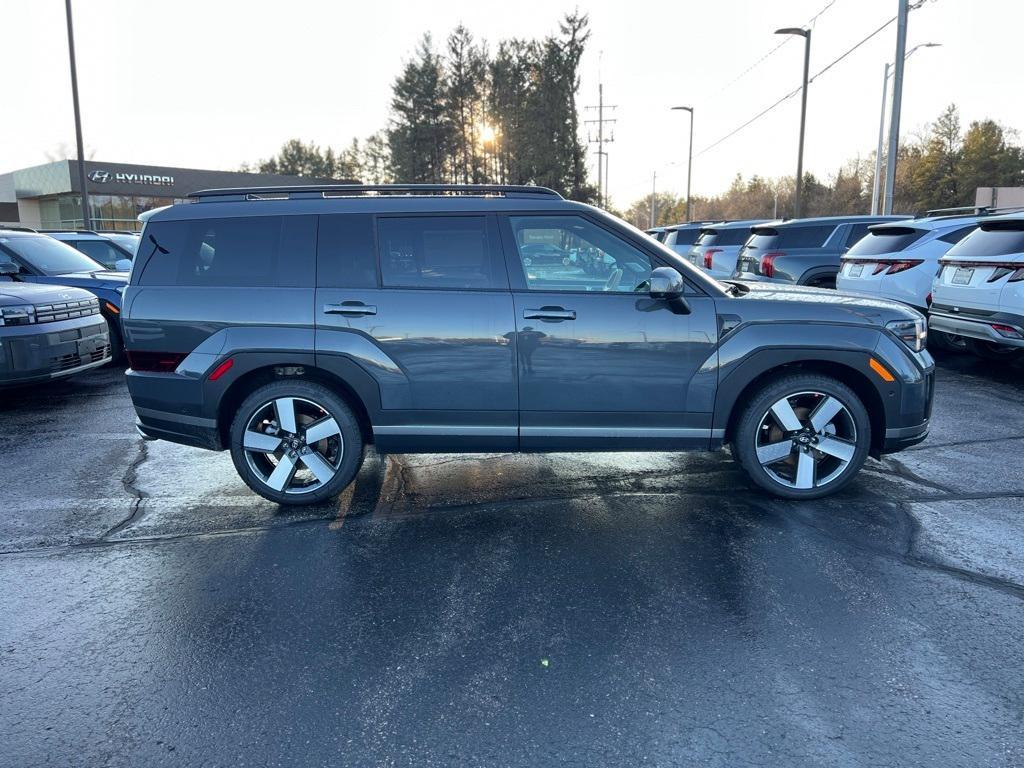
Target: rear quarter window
236, 252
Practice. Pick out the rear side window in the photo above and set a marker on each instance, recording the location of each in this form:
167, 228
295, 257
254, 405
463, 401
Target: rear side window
345, 252
887, 240
957, 235
991, 240
682, 237
857, 231
444, 252
243, 251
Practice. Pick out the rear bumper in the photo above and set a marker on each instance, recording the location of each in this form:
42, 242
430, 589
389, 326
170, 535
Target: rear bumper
35, 353
975, 328
178, 428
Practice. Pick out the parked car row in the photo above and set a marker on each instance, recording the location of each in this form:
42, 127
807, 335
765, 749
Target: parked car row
911, 260
60, 305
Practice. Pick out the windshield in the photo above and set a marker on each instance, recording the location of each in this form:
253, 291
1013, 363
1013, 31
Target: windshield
49, 256
887, 240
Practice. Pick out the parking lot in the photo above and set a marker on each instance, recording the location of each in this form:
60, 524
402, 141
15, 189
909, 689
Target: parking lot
510, 610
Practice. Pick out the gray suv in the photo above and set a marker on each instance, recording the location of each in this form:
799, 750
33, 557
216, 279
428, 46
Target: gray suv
47, 331
802, 251
295, 326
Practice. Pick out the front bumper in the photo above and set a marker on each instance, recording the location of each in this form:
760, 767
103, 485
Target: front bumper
43, 352
976, 327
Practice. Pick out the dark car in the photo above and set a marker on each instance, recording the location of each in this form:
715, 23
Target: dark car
47, 331
295, 326
103, 249
41, 259
802, 251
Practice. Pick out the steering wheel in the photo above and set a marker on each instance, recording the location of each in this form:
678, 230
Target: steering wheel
613, 280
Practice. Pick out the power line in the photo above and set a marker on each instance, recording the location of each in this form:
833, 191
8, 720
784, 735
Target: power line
752, 67
796, 90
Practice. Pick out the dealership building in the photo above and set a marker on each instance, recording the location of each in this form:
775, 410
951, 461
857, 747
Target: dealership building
49, 196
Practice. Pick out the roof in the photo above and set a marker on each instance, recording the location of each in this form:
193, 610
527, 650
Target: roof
933, 222
734, 224
852, 219
689, 225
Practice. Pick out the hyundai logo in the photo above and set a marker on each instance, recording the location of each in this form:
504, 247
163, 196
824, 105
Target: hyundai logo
123, 177
100, 177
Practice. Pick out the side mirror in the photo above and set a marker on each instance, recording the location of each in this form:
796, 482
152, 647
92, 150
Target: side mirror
123, 265
666, 283
8, 268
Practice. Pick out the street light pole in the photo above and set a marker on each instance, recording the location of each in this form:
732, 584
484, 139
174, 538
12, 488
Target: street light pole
689, 164
897, 102
881, 138
806, 35
78, 120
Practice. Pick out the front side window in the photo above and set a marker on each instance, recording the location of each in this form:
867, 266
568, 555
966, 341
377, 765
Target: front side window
441, 252
571, 253
49, 256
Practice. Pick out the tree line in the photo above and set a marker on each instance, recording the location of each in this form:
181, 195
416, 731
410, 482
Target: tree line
940, 169
467, 114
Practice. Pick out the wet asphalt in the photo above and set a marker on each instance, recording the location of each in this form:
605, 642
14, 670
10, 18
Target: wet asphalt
571, 609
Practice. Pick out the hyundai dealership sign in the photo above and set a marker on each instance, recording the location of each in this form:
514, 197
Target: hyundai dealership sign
120, 177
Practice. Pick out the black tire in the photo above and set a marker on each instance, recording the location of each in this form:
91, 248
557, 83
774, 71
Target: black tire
946, 342
990, 350
351, 440
750, 428
117, 353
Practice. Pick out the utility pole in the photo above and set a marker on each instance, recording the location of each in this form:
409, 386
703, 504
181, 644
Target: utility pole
78, 120
897, 102
601, 140
654, 199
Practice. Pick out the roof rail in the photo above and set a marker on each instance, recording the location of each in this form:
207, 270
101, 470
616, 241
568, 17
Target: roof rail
15, 228
69, 231
356, 190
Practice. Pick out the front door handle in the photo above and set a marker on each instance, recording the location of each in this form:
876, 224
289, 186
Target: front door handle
549, 313
350, 308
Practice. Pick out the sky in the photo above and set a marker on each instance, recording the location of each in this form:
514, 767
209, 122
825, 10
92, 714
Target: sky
215, 83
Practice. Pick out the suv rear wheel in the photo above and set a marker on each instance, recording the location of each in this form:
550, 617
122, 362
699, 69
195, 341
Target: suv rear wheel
296, 442
803, 436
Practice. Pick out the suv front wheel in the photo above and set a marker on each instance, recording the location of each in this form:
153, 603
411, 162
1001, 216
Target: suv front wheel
803, 436
296, 442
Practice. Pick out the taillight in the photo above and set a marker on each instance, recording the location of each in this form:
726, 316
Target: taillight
1007, 331
1017, 276
903, 266
768, 263
708, 262
155, 362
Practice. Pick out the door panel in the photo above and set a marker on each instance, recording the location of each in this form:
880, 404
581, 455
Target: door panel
601, 364
439, 336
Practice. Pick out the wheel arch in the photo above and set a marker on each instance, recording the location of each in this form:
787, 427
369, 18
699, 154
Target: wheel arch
846, 371
256, 377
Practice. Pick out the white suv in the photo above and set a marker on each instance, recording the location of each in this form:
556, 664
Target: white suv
898, 261
979, 292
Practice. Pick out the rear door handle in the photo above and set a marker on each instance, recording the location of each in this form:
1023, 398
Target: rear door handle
350, 308
549, 313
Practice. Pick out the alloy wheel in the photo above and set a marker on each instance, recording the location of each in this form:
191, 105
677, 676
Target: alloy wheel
806, 440
293, 445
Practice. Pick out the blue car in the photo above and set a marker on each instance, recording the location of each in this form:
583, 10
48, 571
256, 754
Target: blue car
41, 259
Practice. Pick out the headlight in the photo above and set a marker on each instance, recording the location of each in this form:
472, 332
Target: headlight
913, 333
18, 315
